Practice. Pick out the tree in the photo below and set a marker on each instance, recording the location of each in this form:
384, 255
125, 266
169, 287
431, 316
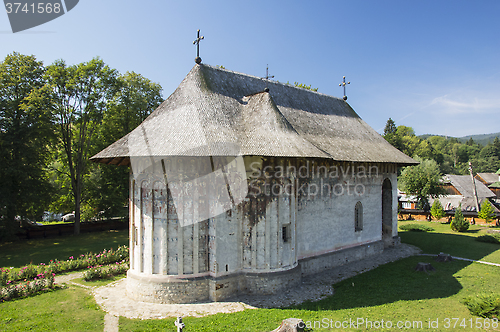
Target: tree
405, 131
459, 224
437, 210
25, 134
79, 97
391, 136
136, 98
487, 212
490, 150
390, 127
422, 180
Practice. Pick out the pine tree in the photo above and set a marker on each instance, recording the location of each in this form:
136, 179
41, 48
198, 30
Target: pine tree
390, 127
437, 210
487, 212
459, 224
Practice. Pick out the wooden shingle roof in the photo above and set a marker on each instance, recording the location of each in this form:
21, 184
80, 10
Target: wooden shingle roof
217, 112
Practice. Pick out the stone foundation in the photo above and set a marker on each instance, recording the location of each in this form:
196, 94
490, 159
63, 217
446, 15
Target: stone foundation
170, 289
165, 289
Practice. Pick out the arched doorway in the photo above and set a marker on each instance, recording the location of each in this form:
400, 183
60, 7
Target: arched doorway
387, 212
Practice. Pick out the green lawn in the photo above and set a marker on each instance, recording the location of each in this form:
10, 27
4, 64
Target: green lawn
443, 239
70, 309
393, 292
20, 253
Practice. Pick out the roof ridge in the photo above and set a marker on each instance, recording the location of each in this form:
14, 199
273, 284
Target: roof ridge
270, 81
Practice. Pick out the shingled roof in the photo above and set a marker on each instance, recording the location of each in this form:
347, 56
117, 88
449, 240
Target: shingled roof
488, 178
463, 184
217, 112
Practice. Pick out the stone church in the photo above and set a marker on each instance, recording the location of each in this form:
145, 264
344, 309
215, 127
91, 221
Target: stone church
241, 185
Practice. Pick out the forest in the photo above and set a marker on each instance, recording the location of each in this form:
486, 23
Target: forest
450, 154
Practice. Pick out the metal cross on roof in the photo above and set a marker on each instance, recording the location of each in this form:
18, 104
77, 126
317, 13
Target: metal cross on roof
343, 84
267, 73
267, 77
197, 42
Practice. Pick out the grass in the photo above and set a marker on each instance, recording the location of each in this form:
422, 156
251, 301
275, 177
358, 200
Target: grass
416, 228
53, 222
20, 253
392, 292
70, 309
99, 282
443, 239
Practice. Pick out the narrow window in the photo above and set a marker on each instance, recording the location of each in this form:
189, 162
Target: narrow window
285, 232
358, 217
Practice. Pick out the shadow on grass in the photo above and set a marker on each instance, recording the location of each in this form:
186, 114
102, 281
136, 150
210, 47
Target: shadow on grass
392, 282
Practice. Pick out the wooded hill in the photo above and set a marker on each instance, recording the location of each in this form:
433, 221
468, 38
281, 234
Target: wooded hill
482, 139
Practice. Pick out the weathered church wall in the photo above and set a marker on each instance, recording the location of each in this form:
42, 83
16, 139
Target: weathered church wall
292, 222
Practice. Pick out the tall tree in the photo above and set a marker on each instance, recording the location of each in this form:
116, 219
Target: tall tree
390, 127
25, 131
80, 94
136, 98
391, 136
422, 180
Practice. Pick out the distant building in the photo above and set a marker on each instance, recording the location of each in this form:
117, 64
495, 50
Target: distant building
492, 181
460, 190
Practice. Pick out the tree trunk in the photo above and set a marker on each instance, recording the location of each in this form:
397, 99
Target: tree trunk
77, 212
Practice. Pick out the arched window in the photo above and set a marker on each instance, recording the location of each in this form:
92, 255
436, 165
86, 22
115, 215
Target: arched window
358, 217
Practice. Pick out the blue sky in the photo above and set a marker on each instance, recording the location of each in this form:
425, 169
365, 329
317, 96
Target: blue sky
431, 65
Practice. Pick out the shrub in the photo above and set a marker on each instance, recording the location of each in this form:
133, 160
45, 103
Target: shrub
459, 224
416, 228
28, 272
490, 238
484, 305
487, 212
437, 210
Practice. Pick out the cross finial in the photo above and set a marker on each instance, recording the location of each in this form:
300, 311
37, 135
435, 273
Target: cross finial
267, 73
267, 77
179, 324
197, 42
343, 84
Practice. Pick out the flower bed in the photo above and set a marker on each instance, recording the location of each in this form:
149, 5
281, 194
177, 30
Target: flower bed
102, 272
32, 279
8, 276
41, 282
